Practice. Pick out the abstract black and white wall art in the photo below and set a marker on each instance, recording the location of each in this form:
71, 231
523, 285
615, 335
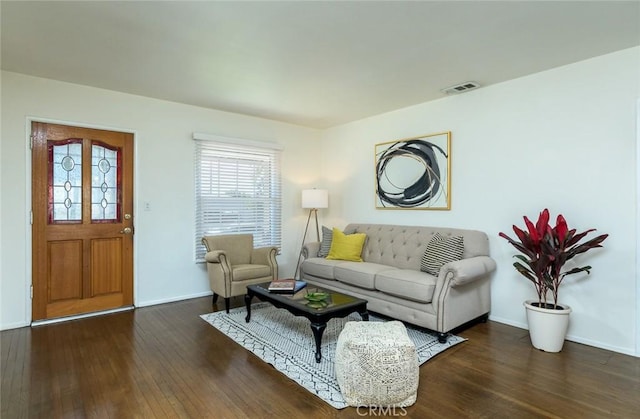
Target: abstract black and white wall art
414, 173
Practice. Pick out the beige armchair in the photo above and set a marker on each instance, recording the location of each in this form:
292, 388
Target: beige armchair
233, 263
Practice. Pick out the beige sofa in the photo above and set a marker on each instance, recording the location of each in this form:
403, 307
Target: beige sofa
391, 280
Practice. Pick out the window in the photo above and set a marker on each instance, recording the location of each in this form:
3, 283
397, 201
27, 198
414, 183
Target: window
238, 190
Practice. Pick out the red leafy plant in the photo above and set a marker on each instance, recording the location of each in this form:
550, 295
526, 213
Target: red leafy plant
545, 250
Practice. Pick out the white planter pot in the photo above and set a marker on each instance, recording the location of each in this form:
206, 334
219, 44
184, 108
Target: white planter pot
547, 327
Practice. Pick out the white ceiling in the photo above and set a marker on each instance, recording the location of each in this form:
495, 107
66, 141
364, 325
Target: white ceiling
316, 64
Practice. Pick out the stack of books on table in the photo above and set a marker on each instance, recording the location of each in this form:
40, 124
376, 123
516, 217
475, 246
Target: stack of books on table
286, 286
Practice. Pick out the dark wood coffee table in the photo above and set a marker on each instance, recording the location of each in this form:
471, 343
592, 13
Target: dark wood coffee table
339, 305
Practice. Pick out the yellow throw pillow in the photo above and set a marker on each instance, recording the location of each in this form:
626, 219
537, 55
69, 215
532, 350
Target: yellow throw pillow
346, 246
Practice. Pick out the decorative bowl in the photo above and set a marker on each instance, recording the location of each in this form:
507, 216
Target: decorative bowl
316, 296
317, 304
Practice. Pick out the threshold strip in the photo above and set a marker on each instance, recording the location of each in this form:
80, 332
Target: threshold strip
79, 316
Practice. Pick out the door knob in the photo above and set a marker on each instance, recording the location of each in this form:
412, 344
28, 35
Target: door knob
126, 230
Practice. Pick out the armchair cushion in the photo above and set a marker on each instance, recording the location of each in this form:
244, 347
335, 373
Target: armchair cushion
244, 272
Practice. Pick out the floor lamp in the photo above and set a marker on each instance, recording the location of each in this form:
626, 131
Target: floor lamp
312, 199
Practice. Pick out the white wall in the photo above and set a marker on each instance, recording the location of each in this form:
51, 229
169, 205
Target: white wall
164, 177
563, 139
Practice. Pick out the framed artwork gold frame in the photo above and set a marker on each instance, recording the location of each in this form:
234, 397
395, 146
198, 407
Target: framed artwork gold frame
414, 173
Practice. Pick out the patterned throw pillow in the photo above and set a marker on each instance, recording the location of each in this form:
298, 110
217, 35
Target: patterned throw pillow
325, 244
441, 250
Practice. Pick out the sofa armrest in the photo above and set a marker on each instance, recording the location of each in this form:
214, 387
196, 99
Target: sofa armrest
310, 250
467, 270
463, 291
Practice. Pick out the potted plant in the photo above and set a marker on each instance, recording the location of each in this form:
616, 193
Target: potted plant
544, 252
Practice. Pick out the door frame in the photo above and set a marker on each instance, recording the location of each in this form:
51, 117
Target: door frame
29, 241
637, 229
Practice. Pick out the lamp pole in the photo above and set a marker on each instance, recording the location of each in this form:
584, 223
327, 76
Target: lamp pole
312, 199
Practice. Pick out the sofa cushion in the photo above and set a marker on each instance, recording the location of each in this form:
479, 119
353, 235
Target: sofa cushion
346, 247
320, 267
407, 283
359, 274
441, 250
325, 244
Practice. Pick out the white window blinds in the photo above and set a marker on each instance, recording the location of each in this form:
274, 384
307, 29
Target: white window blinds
238, 190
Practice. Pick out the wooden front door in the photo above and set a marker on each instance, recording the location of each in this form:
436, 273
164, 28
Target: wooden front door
82, 197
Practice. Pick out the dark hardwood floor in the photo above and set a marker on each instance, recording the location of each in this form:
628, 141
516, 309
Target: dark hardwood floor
166, 362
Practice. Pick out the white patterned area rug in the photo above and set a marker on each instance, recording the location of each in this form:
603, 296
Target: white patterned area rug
286, 342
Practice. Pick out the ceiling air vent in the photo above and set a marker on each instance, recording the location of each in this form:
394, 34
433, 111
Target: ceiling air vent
462, 87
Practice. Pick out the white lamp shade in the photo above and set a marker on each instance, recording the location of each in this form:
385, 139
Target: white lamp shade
315, 198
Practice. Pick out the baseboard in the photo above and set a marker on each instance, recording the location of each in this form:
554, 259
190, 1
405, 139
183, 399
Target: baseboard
10, 326
173, 299
572, 338
18, 325
508, 322
625, 351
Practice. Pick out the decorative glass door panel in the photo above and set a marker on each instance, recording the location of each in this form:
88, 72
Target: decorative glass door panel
106, 190
65, 181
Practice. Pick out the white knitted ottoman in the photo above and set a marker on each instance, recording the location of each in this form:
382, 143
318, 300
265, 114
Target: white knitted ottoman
376, 364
